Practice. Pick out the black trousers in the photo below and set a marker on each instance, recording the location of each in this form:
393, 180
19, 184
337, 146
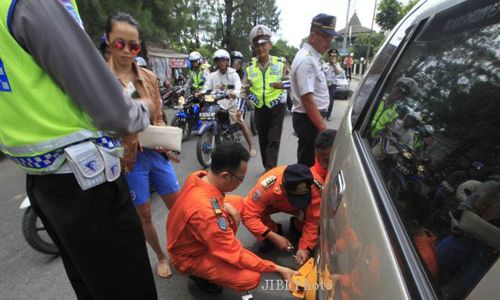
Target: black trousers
331, 92
99, 235
269, 123
307, 133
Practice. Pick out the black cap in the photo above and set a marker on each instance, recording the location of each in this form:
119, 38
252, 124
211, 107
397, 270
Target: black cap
297, 181
325, 23
333, 51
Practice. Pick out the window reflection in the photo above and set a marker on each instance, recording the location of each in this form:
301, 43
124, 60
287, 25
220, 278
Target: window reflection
435, 135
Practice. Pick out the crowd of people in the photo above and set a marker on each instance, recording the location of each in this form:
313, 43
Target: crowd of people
89, 178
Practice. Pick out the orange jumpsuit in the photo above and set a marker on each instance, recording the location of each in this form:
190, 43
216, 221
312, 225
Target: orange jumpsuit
201, 238
318, 172
267, 198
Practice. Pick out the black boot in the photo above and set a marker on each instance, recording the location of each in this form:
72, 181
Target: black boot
206, 286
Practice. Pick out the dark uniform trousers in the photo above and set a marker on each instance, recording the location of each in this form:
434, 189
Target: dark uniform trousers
307, 133
269, 123
99, 235
331, 93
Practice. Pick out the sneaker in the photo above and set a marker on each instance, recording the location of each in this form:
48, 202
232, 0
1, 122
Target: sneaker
206, 286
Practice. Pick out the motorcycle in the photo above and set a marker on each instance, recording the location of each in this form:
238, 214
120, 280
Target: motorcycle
170, 94
215, 128
188, 116
34, 231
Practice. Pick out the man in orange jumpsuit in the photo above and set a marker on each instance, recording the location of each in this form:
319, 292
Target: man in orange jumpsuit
202, 224
291, 189
322, 150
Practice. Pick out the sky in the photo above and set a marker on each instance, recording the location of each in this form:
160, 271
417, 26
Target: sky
296, 16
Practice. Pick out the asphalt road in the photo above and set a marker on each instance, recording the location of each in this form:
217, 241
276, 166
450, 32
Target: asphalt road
27, 274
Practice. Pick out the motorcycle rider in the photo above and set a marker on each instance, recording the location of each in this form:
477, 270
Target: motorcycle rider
198, 73
225, 79
237, 63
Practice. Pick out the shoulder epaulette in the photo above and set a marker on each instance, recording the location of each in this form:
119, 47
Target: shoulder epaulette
269, 181
318, 184
216, 207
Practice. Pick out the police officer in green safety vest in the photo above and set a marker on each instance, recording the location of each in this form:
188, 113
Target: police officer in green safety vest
62, 112
264, 84
386, 111
198, 73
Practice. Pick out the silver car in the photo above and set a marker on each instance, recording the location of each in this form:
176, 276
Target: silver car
411, 206
343, 90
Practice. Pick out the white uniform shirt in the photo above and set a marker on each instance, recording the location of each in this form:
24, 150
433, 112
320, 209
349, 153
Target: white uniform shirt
218, 82
308, 77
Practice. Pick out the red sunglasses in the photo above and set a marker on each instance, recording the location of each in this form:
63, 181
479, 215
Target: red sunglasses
120, 44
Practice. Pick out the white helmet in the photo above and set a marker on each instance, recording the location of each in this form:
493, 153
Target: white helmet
194, 56
260, 31
221, 54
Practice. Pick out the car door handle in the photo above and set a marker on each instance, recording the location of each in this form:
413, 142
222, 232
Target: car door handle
339, 191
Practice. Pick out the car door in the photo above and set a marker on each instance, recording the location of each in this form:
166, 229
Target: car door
411, 206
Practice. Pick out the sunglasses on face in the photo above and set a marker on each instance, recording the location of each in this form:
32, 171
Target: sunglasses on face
120, 44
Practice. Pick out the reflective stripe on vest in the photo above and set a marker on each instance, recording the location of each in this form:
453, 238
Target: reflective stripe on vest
260, 83
37, 117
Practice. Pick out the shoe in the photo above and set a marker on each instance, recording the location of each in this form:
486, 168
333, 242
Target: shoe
267, 245
206, 286
328, 118
252, 152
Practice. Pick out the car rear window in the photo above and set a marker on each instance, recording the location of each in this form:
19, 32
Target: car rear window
435, 135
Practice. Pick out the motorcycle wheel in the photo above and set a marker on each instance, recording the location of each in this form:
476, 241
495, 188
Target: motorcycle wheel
205, 145
35, 234
253, 126
185, 126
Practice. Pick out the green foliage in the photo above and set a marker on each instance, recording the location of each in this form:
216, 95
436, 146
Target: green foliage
389, 14
282, 49
391, 11
360, 46
187, 24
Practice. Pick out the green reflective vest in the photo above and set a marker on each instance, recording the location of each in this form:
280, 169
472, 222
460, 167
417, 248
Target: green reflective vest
37, 117
198, 77
383, 116
260, 83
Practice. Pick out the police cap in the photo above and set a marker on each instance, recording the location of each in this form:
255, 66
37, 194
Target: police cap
260, 34
325, 23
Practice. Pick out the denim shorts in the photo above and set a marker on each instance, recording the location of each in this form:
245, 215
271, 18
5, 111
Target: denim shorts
151, 169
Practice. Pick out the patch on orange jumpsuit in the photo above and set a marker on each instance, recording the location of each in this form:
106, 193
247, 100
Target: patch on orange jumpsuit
221, 220
269, 181
256, 196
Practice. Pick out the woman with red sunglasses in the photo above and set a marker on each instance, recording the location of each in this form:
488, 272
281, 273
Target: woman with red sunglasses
143, 166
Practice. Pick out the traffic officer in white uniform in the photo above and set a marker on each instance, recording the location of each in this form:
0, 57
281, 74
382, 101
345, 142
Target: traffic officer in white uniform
308, 87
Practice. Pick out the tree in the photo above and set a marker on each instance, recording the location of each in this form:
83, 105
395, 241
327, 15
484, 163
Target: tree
282, 49
388, 14
391, 11
363, 40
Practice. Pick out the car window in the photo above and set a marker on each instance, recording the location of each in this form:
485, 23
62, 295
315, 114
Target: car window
435, 137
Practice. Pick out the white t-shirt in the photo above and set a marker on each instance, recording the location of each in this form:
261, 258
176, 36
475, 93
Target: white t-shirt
308, 77
217, 81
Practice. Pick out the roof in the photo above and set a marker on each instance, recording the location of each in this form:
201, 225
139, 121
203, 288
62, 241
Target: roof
166, 53
356, 26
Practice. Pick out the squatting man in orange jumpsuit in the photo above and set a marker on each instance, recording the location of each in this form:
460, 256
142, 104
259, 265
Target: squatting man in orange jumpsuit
293, 189
202, 224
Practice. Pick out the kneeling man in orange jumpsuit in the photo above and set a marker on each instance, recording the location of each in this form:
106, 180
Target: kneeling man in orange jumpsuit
291, 189
202, 224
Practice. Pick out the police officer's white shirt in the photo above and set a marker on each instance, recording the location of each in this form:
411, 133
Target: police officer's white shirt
308, 77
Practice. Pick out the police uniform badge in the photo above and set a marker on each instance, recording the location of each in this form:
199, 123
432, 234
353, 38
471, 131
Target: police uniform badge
256, 196
269, 181
221, 221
